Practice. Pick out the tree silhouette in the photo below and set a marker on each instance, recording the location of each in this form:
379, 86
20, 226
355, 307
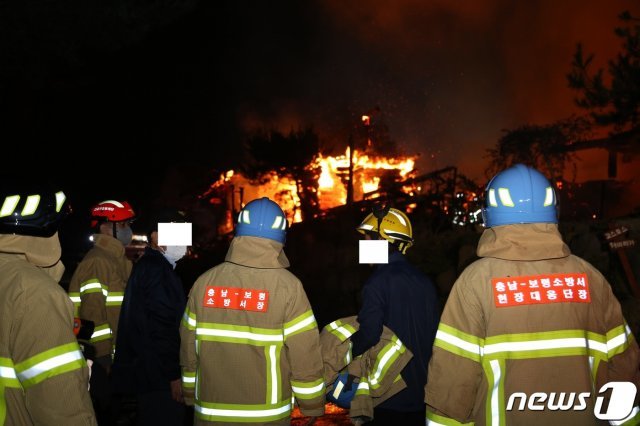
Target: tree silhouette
617, 103
289, 155
539, 146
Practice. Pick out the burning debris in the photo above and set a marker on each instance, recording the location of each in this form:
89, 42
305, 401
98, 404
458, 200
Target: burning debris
370, 174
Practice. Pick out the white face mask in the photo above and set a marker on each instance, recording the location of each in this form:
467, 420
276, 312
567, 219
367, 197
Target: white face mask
174, 253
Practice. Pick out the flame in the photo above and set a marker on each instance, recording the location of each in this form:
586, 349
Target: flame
332, 182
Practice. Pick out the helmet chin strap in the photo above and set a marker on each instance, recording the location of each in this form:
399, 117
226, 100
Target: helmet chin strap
115, 232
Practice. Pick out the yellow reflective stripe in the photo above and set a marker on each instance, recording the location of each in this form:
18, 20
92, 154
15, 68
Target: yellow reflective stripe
534, 345
93, 286
340, 330
242, 412
238, 334
495, 412
308, 390
301, 323
115, 298
363, 387
31, 205
9, 205
101, 332
618, 340
387, 356
188, 378
272, 356
60, 199
8, 377
50, 363
505, 197
189, 319
459, 343
548, 197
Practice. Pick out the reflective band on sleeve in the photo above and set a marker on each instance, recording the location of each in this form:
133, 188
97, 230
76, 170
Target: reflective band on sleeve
363, 387
115, 298
385, 359
49, 364
188, 379
340, 330
463, 344
308, 390
8, 376
302, 323
189, 319
93, 286
101, 332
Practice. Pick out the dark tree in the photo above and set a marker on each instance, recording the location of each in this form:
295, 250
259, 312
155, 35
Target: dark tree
614, 99
539, 146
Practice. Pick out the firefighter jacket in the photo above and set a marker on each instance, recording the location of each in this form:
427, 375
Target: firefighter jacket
97, 289
377, 369
249, 340
528, 319
148, 343
43, 375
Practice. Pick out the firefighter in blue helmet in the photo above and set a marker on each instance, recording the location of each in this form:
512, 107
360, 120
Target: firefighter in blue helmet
249, 337
527, 319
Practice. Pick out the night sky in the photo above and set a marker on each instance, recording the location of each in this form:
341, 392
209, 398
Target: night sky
122, 78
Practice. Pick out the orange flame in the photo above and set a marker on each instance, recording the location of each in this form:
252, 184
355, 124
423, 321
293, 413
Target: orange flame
332, 182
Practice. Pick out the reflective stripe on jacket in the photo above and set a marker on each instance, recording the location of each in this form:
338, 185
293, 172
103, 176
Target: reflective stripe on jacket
249, 340
490, 346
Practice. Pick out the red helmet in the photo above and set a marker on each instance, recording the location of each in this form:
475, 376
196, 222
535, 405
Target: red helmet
112, 211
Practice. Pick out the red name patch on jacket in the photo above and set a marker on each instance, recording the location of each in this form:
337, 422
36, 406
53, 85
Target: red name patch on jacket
244, 299
540, 289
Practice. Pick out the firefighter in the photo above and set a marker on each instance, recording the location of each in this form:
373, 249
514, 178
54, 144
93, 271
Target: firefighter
43, 375
527, 319
249, 339
97, 289
399, 296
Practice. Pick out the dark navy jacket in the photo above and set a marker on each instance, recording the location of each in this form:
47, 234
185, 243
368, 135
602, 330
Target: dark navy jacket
148, 344
405, 300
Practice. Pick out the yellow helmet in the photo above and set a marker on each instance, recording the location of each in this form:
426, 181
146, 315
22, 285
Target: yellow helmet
391, 224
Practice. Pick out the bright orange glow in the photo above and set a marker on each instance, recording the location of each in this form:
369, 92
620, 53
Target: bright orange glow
368, 171
366, 120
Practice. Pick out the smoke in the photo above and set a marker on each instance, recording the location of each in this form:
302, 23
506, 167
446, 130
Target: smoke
448, 76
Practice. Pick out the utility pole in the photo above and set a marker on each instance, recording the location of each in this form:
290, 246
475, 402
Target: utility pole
350, 182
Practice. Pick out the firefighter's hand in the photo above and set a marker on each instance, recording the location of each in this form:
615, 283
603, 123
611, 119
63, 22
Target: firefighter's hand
176, 391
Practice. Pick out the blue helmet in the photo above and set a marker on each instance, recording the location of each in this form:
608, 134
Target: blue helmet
262, 218
343, 390
519, 194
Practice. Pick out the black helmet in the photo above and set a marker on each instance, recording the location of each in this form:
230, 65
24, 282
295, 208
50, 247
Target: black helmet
31, 209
